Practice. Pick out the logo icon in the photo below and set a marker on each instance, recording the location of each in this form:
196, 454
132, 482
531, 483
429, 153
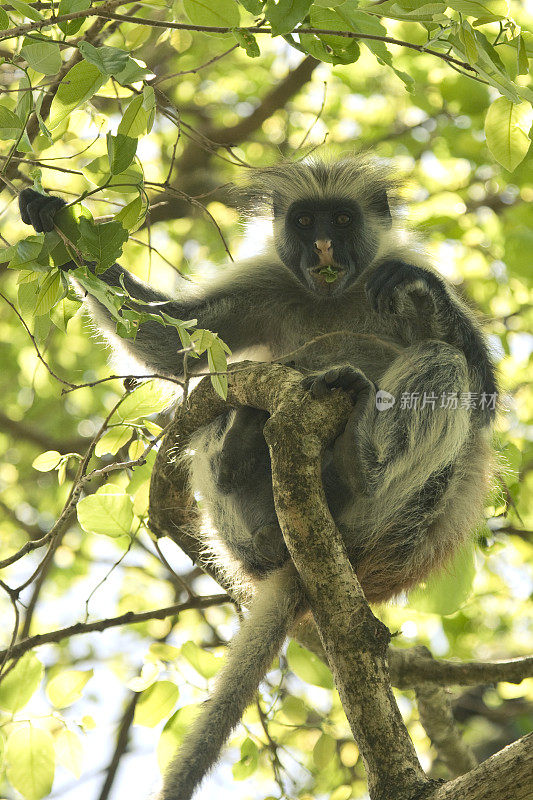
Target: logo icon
384, 400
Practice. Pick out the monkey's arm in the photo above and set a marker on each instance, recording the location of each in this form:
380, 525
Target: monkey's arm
224, 310
440, 314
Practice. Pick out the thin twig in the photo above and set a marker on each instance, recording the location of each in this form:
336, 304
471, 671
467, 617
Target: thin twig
129, 618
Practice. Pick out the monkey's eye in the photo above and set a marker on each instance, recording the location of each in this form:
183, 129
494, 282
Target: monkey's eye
343, 219
304, 221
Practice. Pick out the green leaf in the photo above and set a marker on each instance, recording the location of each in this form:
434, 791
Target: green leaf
490, 68
132, 214
10, 124
308, 667
222, 14
410, 10
109, 512
30, 761
109, 60
343, 792
522, 61
351, 18
136, 118
69, 7
24, 252
121, 151
25, 105
135, 70
43, 57
294, 709
26, 10
63, 313
113, 440
150, 397
141, 473
163, 652
217, 362
69, 751
490, 11
127, 182
248, 761
507, 127
204, 662
324, 751
149, 674
47, 461
284, 15
4, 20
65, 688
446, 593
255, 7
102, 242
512, 458
248, 41
343, 50
156, 703
469, 41
80, 83
19, 685
49, 293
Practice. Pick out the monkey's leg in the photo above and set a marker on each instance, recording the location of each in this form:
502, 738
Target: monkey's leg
399, 460
243, 449
242, 519
411, 423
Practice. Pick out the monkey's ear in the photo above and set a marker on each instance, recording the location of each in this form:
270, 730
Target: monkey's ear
380, 205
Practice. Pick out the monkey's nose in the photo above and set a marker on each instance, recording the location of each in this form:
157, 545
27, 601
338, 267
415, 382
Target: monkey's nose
323, 246
325, 251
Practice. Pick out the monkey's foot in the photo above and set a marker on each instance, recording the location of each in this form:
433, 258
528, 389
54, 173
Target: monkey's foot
346, 377
269, 546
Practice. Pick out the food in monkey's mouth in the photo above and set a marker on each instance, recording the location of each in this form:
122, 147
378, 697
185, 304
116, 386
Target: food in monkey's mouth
329, 273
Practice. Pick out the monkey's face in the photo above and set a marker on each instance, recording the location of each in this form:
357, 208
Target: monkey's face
327, 243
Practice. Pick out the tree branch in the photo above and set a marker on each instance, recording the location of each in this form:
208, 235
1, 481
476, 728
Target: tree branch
121, 745
409, 668
436, 716
504, 775
129, 618
184, 26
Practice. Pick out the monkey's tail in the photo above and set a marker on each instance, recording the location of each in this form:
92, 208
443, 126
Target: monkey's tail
250, 656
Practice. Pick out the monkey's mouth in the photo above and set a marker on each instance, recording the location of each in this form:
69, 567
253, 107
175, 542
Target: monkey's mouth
327, 276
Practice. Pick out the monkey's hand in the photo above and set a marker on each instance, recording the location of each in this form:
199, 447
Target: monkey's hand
346, 377
39, 210
394, 282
